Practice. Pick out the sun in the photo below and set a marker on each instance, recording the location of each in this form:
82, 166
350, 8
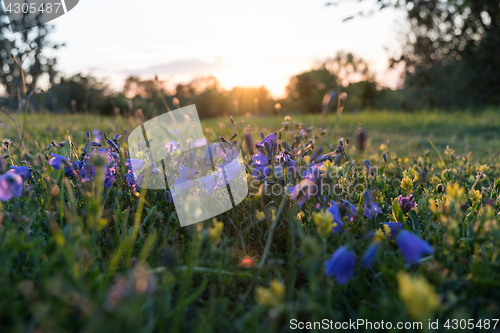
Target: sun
253, 73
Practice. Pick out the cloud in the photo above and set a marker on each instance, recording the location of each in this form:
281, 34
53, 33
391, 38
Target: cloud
182, 67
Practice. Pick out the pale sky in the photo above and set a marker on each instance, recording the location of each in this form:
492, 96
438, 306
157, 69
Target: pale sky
243, 43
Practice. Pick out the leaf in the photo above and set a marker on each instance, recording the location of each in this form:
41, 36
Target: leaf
66, 150
398, 214
415, 221
150, 212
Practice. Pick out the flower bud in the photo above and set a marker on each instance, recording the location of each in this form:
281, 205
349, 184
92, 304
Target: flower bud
360, 139
249, 143
317, 153
113, 145
167, 196
268, 147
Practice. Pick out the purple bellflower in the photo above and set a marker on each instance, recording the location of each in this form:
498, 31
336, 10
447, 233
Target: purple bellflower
11, 186
406, 203
57, 160
21, 171
301, 191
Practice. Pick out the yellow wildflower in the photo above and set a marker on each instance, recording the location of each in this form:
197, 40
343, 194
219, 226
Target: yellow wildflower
435, 180
475, 196
271, 296
455, 194
260, 215
418, 296
379, 235
411, 173
439, 205
323, 221
215, 232
433, 206
382, 233
278, 288
407, 185
307, 159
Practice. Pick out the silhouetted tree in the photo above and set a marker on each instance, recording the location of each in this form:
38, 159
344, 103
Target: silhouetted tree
22, 55
452, 54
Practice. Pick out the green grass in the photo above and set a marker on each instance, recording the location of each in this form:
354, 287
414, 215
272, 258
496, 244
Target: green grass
403, 133
79, 257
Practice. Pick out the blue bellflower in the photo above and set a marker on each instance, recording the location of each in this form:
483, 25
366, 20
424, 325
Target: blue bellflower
394, 226
272, 140
260, 172
259, 160
348, 208
335, 212
341, 265
412, 247
371, 208
370, 255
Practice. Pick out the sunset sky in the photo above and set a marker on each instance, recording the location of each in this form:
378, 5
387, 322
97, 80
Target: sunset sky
244, 43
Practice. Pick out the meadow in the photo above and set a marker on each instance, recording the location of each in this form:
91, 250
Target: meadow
407, 233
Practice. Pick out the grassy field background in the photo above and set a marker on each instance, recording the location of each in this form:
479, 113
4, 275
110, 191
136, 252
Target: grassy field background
403, 133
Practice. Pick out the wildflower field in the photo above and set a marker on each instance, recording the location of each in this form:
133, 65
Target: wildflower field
375, 216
